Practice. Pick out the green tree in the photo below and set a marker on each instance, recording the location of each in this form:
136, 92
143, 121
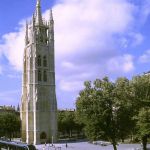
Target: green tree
106, 109
67, 122
10, 124
123, 102
141, 89
141, 86
95, 107
61, 127
143, 125
1, 125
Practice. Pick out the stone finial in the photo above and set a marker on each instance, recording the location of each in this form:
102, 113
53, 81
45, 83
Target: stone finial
38, 14
51, 15
26, 36
38, 3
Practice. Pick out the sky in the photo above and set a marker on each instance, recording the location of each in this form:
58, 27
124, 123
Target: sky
93, 39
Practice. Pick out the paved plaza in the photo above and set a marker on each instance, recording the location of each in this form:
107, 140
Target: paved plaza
86, 146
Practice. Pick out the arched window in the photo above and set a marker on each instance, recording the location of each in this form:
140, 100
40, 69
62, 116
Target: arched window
39, 76
39, 60
41, 39
45, 76
43, 135
44, 61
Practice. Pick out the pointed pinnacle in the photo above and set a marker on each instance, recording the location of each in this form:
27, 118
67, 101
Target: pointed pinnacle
26, 36
26, 26
51, 14
38, 3
38, 15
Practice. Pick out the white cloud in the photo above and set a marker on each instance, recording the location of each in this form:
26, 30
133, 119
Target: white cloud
71, 86
86, 27
1, 69
145, 58
13, 47
137, 38
85, 40
121, 63
80, 28
133, 39
145, 11
68, 65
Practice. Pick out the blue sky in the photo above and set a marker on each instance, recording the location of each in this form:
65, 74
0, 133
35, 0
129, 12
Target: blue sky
93, 39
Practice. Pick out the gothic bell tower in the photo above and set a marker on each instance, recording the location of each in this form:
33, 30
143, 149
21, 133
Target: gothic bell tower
38, 103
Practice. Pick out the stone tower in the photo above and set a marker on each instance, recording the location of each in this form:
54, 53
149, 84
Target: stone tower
38, 103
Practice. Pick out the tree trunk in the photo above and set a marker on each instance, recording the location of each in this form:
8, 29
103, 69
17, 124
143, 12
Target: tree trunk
114, 143
144, 142
114, 146
122, 140
10, 135
131, 140
70, 133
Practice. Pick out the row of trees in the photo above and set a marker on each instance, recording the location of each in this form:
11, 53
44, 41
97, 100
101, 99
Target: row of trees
106, 110
68, 125
114, 111
9, 125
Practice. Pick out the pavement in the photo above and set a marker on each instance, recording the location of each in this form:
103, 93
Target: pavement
86, 146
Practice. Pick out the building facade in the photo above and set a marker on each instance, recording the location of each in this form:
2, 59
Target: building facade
38, 103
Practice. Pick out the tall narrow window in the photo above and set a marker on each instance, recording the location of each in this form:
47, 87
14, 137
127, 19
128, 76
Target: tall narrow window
39, 60
44, 61
39, 76
45, 76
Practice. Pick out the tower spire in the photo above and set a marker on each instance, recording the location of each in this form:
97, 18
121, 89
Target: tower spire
51, 15
38, 15
51, 20
38, 3
51, 26
26, 36
38, 81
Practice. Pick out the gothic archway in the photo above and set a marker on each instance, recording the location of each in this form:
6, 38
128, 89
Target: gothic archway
44, 61
39, 75
45, 76
39, 60
43, 135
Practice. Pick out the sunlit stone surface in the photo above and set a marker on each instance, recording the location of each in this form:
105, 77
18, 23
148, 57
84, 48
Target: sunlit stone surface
38, 103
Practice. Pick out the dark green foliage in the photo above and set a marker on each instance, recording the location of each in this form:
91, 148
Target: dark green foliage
143, 123
9, 125
141, 86
115, 111
67, 123
124, 102
101, 107
1, 126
